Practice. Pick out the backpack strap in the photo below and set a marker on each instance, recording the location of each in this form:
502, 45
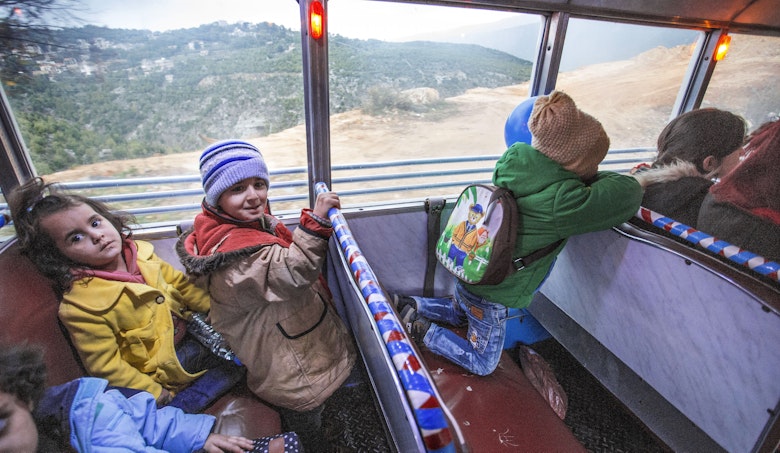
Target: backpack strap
525, 261
434, 207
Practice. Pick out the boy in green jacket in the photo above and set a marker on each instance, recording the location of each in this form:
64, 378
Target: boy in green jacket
559, 193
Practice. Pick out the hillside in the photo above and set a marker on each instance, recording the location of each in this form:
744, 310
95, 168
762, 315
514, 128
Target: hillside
104, 92
634, 107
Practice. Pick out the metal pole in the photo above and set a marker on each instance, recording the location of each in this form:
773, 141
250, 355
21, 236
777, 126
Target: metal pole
316, 99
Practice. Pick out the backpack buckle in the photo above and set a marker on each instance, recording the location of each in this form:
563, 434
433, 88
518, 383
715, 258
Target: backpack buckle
520, 266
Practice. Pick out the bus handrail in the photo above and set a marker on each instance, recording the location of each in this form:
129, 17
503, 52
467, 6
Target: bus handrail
733, 253
421, 392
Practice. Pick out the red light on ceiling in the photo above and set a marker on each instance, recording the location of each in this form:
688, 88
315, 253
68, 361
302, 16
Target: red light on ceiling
316, 19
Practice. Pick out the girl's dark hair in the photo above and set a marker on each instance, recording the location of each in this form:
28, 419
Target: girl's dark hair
694, 135
22, 372
35, 200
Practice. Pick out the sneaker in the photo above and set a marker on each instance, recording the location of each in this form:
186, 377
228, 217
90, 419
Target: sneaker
399, 302
414, 324
408, 315
418, 328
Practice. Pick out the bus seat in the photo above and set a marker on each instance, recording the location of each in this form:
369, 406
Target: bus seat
520, 418
28, 314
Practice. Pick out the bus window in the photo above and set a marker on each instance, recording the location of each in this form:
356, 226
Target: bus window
134, 93
441, 83
745, 81
627, 76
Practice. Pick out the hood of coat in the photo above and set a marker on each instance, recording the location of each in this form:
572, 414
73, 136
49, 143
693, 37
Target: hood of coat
197, 265
215, 241
667, 173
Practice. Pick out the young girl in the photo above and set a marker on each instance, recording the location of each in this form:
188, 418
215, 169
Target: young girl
118, 299
269, 299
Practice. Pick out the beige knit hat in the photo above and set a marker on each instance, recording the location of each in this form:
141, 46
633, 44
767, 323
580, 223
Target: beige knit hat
567, 135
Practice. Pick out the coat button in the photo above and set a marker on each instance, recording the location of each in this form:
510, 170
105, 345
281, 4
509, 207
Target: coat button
159, 299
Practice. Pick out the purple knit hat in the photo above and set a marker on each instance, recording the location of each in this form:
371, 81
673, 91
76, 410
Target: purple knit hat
227, 162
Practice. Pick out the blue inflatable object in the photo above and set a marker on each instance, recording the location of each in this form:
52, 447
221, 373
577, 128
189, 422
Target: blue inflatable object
523, 328
516, 128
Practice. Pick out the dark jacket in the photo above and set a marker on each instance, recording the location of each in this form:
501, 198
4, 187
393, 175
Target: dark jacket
738, 227
675, 190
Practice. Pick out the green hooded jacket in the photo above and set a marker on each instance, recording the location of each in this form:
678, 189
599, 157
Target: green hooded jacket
554, 204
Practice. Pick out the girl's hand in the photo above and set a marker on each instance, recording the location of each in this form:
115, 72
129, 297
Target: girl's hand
165, 398
324, 202
218, 443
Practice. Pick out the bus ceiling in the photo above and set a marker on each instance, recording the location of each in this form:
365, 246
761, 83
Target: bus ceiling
745, 16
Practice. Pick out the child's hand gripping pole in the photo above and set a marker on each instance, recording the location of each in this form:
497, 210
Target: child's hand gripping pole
334, 214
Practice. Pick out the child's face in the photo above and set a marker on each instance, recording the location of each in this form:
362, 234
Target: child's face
245, 200
86, 237
18, 433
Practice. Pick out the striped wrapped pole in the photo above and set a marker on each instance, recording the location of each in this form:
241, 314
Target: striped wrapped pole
415, 380
740, 256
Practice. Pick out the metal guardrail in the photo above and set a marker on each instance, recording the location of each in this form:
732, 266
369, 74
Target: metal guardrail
352, 181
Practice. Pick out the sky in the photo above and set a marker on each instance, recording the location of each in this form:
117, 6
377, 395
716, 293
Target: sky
361, 19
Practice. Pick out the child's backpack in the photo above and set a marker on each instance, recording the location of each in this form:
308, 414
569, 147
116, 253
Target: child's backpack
478, 241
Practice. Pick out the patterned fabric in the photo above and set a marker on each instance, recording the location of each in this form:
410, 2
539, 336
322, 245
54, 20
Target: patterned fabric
291, 444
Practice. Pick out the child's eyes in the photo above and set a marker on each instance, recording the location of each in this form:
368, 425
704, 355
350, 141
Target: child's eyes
259, 185
96, 223
76, 238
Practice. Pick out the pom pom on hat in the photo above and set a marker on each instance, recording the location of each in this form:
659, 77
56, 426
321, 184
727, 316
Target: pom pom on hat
228, 162
568, 135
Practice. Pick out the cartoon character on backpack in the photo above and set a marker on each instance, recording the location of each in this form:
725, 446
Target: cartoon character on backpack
464, 236
481, 239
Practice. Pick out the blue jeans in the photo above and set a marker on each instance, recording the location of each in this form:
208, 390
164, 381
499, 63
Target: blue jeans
481, 350
221, 376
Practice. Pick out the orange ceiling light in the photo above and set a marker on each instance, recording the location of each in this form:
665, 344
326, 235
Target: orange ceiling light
723, 47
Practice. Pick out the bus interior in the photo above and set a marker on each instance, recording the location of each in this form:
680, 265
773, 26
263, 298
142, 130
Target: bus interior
682, 334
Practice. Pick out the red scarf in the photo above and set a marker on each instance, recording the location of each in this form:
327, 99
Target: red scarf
214, 232
133, 274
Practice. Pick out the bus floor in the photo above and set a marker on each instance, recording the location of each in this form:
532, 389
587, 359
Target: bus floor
599, 421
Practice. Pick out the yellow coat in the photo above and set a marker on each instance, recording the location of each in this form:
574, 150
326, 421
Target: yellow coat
124, 332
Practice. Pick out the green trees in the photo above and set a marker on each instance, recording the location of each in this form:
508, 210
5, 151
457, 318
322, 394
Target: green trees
113, 94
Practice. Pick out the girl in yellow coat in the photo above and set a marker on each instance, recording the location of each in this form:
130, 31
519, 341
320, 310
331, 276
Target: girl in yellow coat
119, 299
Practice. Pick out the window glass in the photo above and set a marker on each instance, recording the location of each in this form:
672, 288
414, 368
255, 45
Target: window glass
745, 81
627, 76
120, 91
422, 83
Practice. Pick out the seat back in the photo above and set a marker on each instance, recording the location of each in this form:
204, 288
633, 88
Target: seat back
28, 314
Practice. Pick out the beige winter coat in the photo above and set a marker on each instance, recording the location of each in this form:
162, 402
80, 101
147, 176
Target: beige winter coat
273, 309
